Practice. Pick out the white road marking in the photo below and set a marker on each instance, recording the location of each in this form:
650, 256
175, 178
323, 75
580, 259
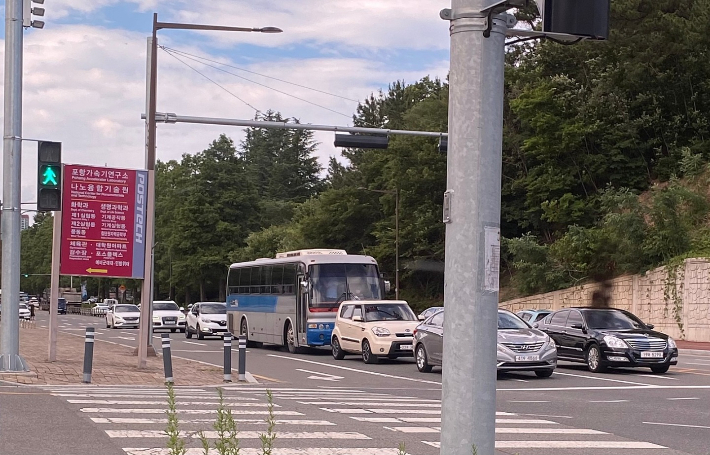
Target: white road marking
527, 401
195, 343
601, 379
383, 398
686, 363
355, 370
567, 445
610, 401
676, 425
124, 338
545, 415
389, 403
193, 350
278, 451
184, 403
178, 396
157, 434
630, 387
683, 398
182, 411
505, 430
526, 422
413, 429
670, 378
376, 419
137, 421
321, 376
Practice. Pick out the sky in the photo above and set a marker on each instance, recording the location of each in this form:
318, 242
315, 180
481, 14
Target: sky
85, 72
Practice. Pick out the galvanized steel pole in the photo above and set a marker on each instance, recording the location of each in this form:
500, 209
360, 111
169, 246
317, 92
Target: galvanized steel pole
472, 214
10, 359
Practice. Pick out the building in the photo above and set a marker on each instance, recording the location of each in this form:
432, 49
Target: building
24, 222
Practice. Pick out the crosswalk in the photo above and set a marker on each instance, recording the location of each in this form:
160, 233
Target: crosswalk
318, 421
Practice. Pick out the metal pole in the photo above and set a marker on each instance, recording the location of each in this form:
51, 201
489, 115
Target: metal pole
167, 358
472, 230
146, 321
88, 354
10, 359
242, 358
228, 357
54, 286
396, 243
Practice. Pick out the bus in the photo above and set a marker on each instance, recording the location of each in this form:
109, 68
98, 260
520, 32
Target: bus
292, 300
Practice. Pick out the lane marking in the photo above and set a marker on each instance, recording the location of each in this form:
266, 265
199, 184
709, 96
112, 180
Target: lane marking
697, 363
677, 425
609, 401
391, 404
157, 434
123, 338
141, 395
278, 451
683, 398
193, 350
602, 379
545, 415
567, 445
137, 421
321, 376
526, 401
183, 403
656, 376
182, 411
193, 342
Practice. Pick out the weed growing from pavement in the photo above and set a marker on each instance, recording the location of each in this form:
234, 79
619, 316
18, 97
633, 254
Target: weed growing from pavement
267, 440
176, 444
402, 449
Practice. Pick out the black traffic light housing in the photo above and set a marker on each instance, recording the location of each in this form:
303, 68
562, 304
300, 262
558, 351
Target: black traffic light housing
49, 176
587, 18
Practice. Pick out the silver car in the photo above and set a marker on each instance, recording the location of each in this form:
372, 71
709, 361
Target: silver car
520, 347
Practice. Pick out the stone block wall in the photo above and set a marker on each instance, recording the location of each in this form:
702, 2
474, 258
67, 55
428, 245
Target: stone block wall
676, 301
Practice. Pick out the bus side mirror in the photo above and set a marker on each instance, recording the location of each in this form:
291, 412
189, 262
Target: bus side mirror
304, 286
388, 286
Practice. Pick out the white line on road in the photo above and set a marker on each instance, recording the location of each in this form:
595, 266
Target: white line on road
137, 421
124, 338
602, 379
507, 430
278, 451
527, 401
193, 350
178, 396
568, 445
183, 403
677, 425
670, 378
155, 434
195, 343
545, 415
183, 411
388, 403
686, 363
683, 398
609, 401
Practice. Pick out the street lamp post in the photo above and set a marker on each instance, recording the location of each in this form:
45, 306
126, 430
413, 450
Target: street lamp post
396, 234
146, 320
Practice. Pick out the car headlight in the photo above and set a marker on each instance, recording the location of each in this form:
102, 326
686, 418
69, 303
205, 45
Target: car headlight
204, 320
615, 342
118, 318
671, 343
380, 331
181, 317
156, 318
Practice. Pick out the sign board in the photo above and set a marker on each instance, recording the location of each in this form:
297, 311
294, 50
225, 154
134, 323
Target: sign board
103, 222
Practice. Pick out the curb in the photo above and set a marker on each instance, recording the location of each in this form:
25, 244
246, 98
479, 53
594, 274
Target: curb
700, 352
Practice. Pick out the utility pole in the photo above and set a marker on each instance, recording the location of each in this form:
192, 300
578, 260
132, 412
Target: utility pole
472, 217
10, 359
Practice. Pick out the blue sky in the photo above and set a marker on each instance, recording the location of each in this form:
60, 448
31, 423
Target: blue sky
85, 71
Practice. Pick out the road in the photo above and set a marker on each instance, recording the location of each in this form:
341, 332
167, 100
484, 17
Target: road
375, 407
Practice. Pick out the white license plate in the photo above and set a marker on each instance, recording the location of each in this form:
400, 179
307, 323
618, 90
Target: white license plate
527, 358
170, 322
652, 355
405, 347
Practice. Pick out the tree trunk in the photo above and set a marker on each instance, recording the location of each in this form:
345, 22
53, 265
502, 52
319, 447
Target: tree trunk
202, 290
187, 295
222, 292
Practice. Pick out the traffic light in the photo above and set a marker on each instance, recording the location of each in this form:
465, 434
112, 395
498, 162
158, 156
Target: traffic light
49, 176
28, 11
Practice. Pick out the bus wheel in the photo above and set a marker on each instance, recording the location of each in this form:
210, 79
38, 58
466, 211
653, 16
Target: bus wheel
290, 339
244, 330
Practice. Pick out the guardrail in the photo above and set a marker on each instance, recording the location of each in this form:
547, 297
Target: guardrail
85, 311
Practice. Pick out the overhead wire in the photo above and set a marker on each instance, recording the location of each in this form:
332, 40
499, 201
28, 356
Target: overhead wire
173, 54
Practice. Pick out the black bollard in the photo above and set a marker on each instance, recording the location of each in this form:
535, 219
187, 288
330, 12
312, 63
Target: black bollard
242, 357
227, 357
88, 354
167, 359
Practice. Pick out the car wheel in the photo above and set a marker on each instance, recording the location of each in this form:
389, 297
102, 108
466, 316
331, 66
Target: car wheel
660, 368
422, 359
594, 359
188, 334
367, 355
290, 339
244, 330
338, 353
200, 336
543, 373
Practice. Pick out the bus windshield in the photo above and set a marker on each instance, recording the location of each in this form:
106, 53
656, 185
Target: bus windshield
333, 283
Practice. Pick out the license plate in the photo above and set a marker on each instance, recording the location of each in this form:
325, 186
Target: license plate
170, 322
527, 358
652, 355
405, 347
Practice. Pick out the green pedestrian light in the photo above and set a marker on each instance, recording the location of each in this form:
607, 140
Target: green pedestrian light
49, 176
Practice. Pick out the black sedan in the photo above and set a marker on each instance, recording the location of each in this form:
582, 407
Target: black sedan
607, 337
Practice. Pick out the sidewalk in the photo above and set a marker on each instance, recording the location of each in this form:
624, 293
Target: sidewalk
693, 347
113, 364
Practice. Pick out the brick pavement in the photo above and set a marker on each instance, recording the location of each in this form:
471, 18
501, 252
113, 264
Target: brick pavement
113, 364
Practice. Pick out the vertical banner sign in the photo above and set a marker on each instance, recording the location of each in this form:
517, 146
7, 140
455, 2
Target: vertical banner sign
103, 222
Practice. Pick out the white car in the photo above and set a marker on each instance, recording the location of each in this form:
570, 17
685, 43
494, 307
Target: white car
167, 315
24, 311
100, 308
374, 329
123, 315
206, 319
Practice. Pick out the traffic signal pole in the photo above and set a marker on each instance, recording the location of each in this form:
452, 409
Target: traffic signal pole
10, 359
472, 217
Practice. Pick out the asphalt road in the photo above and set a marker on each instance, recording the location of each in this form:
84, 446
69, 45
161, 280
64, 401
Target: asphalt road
574, 412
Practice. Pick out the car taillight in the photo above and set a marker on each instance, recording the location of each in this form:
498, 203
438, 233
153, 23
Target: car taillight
414, 332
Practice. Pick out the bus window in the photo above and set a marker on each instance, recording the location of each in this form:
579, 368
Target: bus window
266, 272
244, 278
255, 280
277, 276
333, 282
289, 279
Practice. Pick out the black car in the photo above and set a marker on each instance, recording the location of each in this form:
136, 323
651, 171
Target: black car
608, 337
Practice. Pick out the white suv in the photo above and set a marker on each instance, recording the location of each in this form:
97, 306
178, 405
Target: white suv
167, 315
374, 328
206, 318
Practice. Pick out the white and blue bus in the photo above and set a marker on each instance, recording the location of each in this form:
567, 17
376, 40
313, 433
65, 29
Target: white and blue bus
292, 300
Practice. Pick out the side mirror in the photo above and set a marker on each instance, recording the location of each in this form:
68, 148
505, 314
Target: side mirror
536, 325
420, 317
650, 326
357, 318
182, 308
577, 326
388, 286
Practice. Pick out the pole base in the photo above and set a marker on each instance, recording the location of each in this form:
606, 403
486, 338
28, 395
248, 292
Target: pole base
151, 351
13, 362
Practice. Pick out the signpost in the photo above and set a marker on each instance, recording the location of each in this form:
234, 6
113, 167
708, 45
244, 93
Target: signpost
103, 222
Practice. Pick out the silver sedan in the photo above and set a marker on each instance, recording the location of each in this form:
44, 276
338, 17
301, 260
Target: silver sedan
520, 347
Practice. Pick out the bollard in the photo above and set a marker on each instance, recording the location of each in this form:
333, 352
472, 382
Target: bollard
167, 360
227, 357
88, 354
242, 358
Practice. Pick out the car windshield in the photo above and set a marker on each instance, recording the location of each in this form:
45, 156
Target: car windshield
611, 319
23, 306
389, 312
165, 306
213, 308
508, 321
333, 283
126, 309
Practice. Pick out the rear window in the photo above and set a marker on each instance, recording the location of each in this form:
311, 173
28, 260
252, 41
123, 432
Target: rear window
213, 308
510, 321
165, 306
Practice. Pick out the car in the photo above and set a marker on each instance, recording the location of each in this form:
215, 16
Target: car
532, 316
167, 315
429, 312
24, 311
373, 329
62, 305
100, 308
206, 319
609, 337
520, 347
122, 315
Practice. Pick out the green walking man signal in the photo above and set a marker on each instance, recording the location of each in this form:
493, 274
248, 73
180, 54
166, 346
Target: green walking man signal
49, 176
